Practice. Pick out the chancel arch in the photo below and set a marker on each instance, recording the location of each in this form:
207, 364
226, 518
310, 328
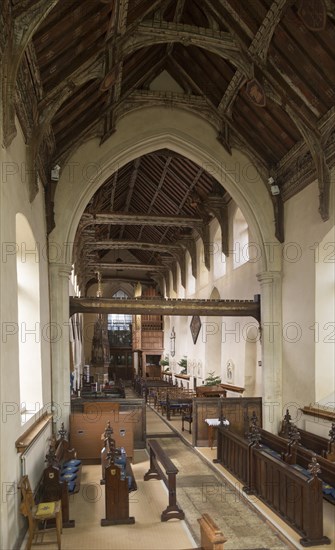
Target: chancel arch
190, 136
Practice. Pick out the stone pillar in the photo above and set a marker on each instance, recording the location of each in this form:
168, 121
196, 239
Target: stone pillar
60, 344
271, 339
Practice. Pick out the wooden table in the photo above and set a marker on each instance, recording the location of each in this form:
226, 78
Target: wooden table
218, 390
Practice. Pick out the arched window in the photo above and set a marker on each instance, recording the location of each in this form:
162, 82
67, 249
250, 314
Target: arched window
29, 329
241, 239
119, 324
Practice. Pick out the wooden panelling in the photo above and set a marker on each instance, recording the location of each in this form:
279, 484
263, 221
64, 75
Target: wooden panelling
235, 409
86, 431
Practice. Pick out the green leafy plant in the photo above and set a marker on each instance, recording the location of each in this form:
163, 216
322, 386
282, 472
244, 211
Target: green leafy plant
183, 364
165, 362
212, 380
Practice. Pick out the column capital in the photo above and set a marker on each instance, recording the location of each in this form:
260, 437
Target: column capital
269, 277
61, 269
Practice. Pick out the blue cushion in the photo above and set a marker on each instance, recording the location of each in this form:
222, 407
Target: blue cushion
120, 460
328, 489
71, 486
68, 477
72, 462
69, 470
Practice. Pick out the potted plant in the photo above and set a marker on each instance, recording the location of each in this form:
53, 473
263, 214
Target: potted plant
183, 364
165, 362
212, 380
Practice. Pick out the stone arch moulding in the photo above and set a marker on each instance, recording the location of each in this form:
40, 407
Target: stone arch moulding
147, 130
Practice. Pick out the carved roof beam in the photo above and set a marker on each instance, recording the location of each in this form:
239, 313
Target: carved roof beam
125, 265
259, 47
112, 198
161, 306
24, 25
190, 246
231, 19
220, 43
313, 140
50, 104
185, 199
218, 207
176, 19
258, 56
117, 218
112, 278
113, 108
158, 189
261, 42
189, 102
117, 28
173, 249
131, 188
248, 149
146, 75
182, 264
203, 231
68, 147
154, 5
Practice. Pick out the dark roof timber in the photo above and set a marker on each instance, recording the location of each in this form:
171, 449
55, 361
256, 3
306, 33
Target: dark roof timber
261, 72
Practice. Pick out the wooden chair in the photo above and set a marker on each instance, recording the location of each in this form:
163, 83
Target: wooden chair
40, 512
186, 416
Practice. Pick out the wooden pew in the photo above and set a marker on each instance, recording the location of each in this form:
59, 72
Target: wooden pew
116, 497
159, 459
53, 486
115, 479
293, 496
320, 445
301, 456
110, 450
210, 535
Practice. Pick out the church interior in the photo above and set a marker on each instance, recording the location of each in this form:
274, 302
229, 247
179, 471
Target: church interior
167, 274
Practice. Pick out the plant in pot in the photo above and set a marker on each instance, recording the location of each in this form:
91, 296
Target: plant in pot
165, 362
212, 379
183, 364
